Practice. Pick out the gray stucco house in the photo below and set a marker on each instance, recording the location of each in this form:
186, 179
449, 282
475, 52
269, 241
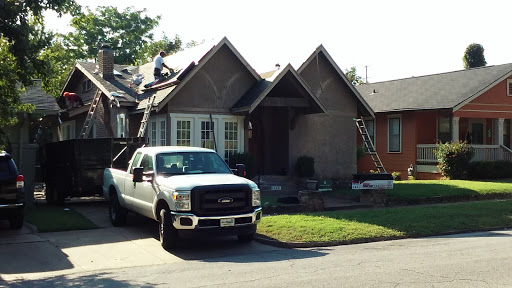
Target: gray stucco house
224, 104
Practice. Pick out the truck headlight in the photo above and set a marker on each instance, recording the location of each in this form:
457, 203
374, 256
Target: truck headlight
182, 200
256, 200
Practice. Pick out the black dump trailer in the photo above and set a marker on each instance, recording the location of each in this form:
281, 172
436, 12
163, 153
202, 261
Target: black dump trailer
74, 168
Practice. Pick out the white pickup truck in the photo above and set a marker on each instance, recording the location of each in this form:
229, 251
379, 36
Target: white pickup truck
188, 190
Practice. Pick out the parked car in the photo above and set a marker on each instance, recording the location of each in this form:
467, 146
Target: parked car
12, 196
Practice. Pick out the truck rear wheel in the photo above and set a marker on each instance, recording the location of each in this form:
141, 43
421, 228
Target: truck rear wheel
166, 231
116, 211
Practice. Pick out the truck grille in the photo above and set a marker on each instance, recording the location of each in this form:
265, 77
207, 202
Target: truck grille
221, 200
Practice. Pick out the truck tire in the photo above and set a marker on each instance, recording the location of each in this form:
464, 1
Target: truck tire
246, 238
116, 212
166, 231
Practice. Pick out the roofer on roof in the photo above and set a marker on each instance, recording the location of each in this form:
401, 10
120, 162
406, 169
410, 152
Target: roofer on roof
159, 64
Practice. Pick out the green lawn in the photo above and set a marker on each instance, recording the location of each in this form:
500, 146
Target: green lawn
432, 188
388, 222
55, 218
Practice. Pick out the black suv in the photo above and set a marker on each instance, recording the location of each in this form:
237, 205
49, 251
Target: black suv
12, 196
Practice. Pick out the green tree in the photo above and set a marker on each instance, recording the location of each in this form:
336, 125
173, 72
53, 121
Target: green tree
150, 50
60, 62
22, 38
126, 31
474, 56
353, 77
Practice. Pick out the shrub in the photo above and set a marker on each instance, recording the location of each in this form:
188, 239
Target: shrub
453, 159
490, 170
247, 160
305, 166
397, 176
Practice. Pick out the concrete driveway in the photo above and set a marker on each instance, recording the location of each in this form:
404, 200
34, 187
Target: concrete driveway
30, 255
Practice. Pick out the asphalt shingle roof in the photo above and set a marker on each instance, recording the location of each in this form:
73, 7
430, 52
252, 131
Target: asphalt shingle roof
36, 96
445, 90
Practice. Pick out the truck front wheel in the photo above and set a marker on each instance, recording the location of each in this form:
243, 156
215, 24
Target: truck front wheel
116, 211
167, 232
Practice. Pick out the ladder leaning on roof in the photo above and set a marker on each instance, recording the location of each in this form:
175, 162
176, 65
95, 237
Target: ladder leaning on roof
86, 128
147, 112
369, 145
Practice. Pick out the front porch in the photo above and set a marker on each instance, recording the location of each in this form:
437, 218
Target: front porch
425, 154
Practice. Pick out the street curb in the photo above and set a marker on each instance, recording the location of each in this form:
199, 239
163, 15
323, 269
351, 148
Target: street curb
291, 245
32, 228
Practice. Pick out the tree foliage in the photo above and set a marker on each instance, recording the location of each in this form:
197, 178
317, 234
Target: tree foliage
353, 77
474, 56
126, 31
150, 50
22, 38
60, 64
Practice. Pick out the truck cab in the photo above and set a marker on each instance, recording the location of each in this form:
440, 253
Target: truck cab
189, 191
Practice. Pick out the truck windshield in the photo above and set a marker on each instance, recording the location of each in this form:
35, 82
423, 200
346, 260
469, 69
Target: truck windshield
182, 163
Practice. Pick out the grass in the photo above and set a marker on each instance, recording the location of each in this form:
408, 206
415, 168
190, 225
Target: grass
389, 222
432, 188
55, 218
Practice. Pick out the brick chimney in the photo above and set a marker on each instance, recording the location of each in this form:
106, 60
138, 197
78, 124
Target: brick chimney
106, 61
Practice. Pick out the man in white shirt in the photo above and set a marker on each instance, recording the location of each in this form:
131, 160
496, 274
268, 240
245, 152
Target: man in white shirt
159, 64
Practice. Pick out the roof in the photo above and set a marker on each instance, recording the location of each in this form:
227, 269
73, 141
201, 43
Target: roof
35, 95
438, 91
313, 57
250, 100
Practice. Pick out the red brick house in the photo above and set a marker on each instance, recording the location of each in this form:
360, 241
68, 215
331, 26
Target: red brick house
413, 114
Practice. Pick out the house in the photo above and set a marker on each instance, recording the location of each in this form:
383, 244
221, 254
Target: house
413, 114
33, 130
222, 103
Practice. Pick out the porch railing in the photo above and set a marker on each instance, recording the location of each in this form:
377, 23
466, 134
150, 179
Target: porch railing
426, 155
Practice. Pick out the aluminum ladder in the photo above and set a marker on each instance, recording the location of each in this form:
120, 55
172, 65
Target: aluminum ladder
147, 112
86, 128
369, 145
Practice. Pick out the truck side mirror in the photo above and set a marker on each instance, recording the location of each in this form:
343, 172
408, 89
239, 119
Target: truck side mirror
240, 170
138, 172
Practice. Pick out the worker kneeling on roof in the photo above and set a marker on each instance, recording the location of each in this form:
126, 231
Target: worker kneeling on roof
159, 64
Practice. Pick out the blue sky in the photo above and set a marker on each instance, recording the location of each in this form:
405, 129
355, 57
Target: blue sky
393, 39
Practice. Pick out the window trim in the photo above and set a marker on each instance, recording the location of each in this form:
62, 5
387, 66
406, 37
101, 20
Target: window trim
399, 117
121, 129
365, 119
509, 87
438, 122
88, 85
71, 125
195, 127
158, 140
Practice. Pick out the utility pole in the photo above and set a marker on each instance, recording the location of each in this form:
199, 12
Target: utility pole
366, 78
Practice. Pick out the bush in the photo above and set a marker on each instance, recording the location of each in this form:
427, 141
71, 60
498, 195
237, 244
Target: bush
247, 160
397, 176
453, 159
490, 170
305, 166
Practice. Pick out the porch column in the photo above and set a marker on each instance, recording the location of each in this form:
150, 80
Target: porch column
500, 131
455, 129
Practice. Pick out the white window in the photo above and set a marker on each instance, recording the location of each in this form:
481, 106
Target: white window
230, 139
183, 135
158, 132
121, 125
201, 131
394, 134
67, 130
86, 85
207, 130
509, 87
